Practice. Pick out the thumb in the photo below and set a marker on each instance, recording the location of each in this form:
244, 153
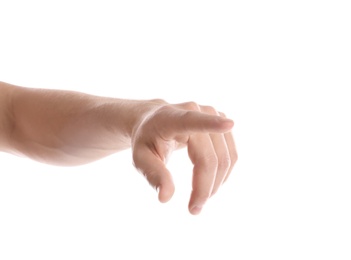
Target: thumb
155, 172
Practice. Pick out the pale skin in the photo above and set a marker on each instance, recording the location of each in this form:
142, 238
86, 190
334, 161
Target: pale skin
69, 128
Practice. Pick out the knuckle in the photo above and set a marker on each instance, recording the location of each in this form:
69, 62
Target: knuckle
222, 114
209, 110
235, 157
165, 108
210, 161
158, 101
224, 162
191, 105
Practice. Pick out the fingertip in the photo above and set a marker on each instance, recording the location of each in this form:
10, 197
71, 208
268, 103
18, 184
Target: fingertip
195, 205
196, 210
165, 193
221, 124
227, 123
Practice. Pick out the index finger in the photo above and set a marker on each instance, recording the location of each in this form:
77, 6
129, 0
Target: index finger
180, 121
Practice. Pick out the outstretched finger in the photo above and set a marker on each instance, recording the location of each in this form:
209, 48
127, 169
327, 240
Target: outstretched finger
188, 122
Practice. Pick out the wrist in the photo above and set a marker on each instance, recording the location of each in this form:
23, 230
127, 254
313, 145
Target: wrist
142, 110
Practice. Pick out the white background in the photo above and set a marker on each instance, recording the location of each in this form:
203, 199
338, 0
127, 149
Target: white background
280, 69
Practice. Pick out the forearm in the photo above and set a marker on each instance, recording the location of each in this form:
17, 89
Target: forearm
71, 128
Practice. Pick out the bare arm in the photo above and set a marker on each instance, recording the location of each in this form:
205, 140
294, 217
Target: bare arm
70, 128
66, 127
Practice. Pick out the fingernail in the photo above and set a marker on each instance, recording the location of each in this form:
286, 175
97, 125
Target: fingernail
195, 210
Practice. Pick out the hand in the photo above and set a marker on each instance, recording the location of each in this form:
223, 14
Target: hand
204, 131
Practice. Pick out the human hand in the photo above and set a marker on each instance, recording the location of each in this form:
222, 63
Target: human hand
206, 134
